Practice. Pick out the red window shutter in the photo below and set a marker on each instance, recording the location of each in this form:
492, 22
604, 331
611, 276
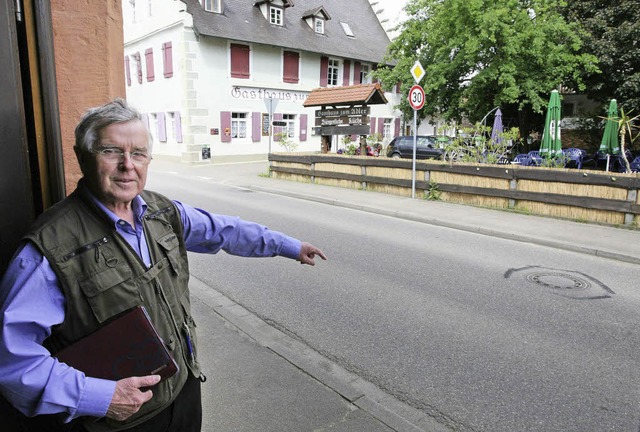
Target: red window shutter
127, 70
357, 68
277, 129
346, 71
162, 127
396, 129
225, 125
373, 125
324, 71
167, 59
381, 126
239, 61
256, 127
178, 126
303, 127
291, 67
148, 57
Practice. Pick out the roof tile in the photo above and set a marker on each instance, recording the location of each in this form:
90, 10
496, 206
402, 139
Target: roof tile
242, 21
362, 94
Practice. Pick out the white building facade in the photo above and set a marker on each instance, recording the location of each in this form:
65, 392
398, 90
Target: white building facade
203, 71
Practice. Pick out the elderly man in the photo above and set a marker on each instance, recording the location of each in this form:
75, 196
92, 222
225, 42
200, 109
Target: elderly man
109, 247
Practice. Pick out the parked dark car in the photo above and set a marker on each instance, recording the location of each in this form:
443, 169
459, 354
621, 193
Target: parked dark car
427, 146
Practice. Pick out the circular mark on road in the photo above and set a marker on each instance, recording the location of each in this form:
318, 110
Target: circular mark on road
558, 280
565, 283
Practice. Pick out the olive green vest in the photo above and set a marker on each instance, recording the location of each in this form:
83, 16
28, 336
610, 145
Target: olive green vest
101, 276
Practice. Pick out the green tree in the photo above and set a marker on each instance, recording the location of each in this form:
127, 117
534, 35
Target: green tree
479, 54
612, 34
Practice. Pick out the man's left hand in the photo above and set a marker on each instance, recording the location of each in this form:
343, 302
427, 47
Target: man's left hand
308, 253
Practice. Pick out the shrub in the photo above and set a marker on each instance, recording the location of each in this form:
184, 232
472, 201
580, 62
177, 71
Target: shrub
286, 142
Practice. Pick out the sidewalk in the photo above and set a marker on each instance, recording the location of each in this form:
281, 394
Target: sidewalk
260, 379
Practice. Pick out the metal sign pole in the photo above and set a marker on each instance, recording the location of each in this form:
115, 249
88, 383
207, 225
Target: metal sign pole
270, 125
270, 133
415, 143
416, 100
270, 104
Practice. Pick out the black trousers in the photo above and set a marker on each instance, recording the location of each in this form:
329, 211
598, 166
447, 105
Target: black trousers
183, 415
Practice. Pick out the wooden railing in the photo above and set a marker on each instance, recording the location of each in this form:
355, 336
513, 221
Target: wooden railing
591, 196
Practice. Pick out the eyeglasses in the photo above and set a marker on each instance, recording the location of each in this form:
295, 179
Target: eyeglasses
116, 155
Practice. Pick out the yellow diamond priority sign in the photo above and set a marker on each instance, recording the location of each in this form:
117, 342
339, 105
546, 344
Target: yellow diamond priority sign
417, 71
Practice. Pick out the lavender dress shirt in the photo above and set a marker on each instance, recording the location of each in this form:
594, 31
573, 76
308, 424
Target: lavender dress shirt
32, 303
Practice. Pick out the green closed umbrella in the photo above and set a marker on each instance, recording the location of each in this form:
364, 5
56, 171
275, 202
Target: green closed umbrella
551, 146
609, 144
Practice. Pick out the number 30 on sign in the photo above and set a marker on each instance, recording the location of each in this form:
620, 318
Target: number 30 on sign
416, 97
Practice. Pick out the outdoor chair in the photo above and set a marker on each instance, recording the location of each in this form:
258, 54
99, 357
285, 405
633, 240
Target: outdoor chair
573, 156
536, 159
617, 162
589, 161
600, 158
523, 159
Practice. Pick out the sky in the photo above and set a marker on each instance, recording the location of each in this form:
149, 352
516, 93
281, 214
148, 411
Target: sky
392, 10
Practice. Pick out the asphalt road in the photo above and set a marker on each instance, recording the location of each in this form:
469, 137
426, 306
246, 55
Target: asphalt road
471, 329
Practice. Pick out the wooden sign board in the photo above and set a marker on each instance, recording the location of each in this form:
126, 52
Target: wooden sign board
341, 112
343, 130
342, 120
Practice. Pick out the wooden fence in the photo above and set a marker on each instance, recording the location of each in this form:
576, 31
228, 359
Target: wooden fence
582, 195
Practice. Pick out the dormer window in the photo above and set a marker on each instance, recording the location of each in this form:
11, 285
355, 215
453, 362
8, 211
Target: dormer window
316, 19
275, 15
212, 5
273, 10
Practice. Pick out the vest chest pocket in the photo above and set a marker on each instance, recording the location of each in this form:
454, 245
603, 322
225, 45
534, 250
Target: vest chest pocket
169, 244
110, 292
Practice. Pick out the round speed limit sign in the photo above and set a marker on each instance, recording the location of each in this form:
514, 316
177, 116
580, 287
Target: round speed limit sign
416, 97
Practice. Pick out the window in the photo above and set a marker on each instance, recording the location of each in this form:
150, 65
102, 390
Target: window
364, 74
174, 127
171, 127
153, 124
275, 15
132, 4
290, 67
319, 25
138, 62
347, 29
386, 131
212, 5
238, 125
240, 61
332, 72
290, 128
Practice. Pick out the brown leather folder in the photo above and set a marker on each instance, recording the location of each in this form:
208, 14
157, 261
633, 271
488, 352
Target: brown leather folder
125, 347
